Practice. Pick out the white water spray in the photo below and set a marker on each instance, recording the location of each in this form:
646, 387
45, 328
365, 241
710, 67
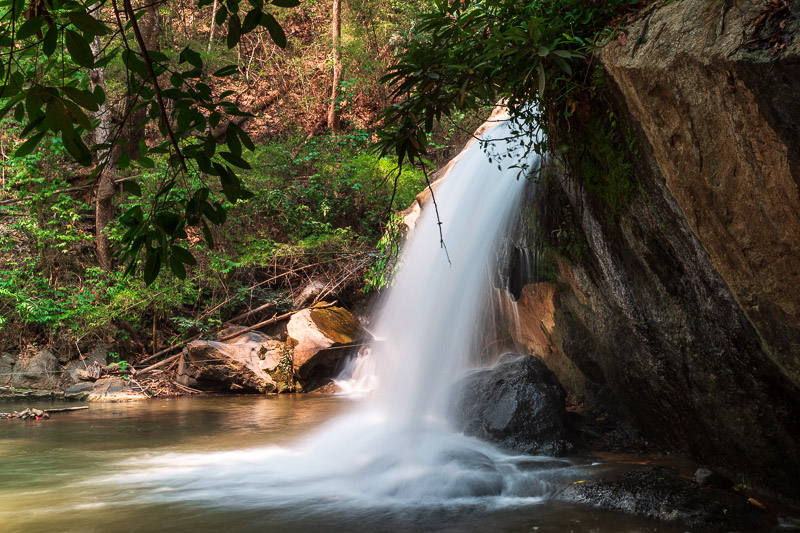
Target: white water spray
395, 447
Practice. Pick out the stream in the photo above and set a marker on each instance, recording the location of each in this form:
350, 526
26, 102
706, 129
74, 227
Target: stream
171, 466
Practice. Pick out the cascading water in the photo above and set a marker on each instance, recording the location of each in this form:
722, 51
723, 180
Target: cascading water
395, 447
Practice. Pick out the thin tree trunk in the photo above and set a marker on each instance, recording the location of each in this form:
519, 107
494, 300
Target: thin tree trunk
213, 25
333, 111
104, 209
104, 200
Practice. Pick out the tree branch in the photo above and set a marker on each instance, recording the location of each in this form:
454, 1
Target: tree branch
149, 64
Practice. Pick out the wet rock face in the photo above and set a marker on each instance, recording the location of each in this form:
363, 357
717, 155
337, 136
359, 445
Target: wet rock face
658, 493
320, 338
38, 371
236, 365
518, 404
683, 314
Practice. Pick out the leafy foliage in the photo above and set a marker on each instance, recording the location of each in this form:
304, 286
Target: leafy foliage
46, 57
466, 54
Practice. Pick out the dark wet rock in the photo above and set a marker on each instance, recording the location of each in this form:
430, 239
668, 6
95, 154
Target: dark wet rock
518, 403
6, 367
322, 338
236, 365
37, 371
110, 389
705, 477
659, 493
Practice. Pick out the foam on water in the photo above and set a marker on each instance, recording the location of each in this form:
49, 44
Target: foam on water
395, 447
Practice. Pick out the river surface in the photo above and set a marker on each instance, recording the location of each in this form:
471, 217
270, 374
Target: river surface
163, 466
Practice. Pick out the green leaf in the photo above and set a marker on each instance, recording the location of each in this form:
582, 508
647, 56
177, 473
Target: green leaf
28, 146
77, 114
79, 49
246, 140
177, 268
234, 31
208, 236
563, 53
274, 29
19, 112
235, 160
82, 97
29, 28
168, 221
152, 265
50, 41
87, 23
99, 95
183, 255
190, 56
146, 162
131, 187
77, 149
221, 15
228, 70
543, 51
216, 215
232, 140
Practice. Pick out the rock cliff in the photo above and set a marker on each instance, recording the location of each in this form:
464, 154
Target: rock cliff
681, 311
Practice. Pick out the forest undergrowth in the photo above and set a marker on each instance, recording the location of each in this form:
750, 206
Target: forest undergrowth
320, 203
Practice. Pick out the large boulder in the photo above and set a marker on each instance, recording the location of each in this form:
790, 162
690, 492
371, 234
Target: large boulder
37, 371
518, 404
239, 364
110, 389
321, 338
6, 367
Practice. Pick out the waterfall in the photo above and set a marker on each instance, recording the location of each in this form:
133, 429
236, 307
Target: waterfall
429, 319
396, 447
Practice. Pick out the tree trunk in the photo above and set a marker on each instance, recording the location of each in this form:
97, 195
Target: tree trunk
104, 209
132, 133
104, 201
333, 111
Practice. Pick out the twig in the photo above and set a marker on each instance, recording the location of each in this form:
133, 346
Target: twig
157, 365
436, 209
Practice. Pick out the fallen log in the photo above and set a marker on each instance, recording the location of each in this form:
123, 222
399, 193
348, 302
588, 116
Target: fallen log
64, 409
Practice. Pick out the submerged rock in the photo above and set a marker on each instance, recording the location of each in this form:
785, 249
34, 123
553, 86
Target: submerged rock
39, 371
518, 403
111, 389
321, 338
658, 493
235, 365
